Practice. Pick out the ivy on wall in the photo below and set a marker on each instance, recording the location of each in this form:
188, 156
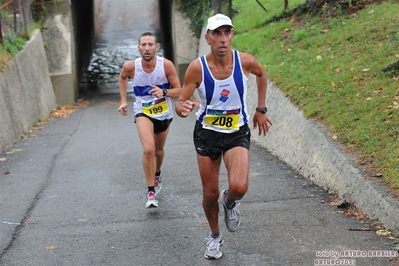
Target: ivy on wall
197, 11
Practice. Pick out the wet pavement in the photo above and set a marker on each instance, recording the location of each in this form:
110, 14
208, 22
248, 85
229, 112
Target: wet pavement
73, 192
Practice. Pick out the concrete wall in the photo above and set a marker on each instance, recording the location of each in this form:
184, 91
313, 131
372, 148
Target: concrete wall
185, 43
307, 147
26, 92
97, 19
59, 45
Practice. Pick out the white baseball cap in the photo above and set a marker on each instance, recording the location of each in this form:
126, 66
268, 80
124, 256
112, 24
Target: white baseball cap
218, 20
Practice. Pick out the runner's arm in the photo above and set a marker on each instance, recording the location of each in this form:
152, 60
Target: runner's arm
173, 78
126, 72
251, 65
184, 106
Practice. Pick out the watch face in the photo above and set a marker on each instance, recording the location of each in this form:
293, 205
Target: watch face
262, 110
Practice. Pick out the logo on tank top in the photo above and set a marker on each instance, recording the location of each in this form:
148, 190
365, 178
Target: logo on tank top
224, 95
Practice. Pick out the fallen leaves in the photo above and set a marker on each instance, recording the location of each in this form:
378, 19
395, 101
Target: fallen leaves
349, 210
13, 151
33, 223
383, 232
395, 105
65, 110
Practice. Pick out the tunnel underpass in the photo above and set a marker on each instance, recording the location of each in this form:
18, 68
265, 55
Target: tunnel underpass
119, 23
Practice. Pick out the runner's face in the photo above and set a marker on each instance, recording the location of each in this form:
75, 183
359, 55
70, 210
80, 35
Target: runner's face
148, 47
220, 39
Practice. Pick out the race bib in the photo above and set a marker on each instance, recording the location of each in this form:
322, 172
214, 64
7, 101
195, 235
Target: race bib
222, 120
155, 108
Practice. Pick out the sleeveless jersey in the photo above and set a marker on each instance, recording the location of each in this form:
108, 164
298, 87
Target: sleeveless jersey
223, 102
157, 108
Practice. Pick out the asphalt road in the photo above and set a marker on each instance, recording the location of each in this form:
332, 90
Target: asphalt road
73, 193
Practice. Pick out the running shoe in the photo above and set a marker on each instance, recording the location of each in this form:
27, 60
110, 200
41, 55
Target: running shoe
213, 247
151, 200
231, 216
158, 183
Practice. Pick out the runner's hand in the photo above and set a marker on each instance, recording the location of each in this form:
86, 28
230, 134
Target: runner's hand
262, 122
155, 91
187, 108
123, 109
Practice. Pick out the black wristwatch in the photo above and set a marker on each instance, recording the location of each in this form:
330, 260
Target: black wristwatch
262, 110
165, 91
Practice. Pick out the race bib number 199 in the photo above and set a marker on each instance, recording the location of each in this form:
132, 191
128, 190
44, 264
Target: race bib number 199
155, 108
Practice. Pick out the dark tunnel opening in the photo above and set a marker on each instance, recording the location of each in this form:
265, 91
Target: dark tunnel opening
83, 27
83, 23
165, 14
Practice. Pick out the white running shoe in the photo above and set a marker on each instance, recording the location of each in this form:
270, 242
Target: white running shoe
231, 216
213, 247
158, 183
151, 200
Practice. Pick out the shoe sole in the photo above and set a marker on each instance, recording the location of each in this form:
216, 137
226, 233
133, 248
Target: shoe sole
152, 205
218, 256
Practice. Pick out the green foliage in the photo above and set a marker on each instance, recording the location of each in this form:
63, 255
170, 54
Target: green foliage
197, 11
13, 44
38, 8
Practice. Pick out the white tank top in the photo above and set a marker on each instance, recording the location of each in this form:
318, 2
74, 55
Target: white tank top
223, 102
157, 108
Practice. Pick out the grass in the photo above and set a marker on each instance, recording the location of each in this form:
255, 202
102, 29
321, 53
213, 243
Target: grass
5, 58
330, 67
10, 47
12, 44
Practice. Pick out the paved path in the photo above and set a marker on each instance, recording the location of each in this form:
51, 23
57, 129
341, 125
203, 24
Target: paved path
73, 193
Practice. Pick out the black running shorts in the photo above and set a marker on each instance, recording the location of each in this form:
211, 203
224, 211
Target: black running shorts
211, 143
159, 125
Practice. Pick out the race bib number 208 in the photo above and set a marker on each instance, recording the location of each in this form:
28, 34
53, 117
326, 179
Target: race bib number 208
222, 120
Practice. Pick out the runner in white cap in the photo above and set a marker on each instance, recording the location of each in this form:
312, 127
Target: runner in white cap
221, 131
